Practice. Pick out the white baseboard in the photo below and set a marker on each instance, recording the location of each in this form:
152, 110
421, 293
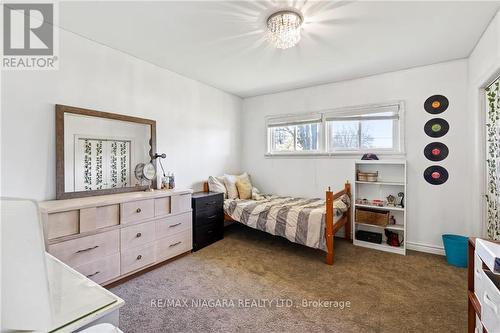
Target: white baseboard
425, 248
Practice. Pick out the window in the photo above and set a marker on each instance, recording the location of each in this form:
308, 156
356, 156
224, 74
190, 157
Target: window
304, 137
364, 132
372, 128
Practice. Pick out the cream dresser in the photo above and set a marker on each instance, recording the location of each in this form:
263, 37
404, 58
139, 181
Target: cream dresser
112, 236
483, 288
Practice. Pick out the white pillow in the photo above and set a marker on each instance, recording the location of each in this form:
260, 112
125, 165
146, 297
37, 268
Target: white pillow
230, 182
216, 184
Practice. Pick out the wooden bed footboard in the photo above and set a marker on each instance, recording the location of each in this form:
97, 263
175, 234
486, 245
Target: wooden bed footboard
330, 226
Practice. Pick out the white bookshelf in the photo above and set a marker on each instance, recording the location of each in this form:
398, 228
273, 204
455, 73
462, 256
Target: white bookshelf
391, 180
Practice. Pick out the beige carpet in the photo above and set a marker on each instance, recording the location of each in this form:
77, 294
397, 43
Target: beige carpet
217, 289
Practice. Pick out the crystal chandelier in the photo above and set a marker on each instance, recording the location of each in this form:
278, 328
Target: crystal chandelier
283, 28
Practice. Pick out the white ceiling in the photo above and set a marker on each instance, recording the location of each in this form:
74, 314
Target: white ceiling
222, 43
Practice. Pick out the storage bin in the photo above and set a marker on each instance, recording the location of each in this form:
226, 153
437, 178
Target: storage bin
367, 176
372, 216
455, 247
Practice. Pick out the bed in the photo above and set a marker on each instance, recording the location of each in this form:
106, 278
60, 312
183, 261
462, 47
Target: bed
305, 221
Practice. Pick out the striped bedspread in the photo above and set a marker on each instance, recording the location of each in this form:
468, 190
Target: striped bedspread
299, 220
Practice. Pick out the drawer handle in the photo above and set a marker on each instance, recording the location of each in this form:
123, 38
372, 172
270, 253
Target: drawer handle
138, 235
175, 244
478, 273
209, 231
138, 210
490, 303
91, 275
212, 217
88, 249
174, 225
139, 257
210, 203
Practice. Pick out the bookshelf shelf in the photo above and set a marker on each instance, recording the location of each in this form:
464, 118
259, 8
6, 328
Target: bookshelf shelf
392, 181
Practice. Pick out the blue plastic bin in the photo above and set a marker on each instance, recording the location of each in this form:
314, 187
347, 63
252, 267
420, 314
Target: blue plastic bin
455, 247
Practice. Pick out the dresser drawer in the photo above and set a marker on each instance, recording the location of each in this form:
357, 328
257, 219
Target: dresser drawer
137, 235
137, 257
173, 224
136, 211
83, 250
490, 305
101, 270
479, 326
99, 217
162, 206
63, 224
478, 277
180, 203
169, 247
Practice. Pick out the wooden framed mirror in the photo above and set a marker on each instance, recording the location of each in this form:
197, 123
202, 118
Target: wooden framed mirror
97, 152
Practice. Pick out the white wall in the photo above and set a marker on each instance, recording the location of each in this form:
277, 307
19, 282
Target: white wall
484, 67
197, 125
432, 210
484, 60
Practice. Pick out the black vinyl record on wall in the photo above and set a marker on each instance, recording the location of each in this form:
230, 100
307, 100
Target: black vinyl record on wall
436, 151
436, 104
436, 175
436, 127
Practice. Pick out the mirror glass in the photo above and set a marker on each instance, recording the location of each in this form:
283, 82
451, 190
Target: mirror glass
102, 153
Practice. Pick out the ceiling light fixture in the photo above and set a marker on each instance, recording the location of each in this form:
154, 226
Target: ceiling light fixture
283, 28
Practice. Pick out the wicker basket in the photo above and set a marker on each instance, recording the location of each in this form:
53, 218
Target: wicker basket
371, 216
367, 176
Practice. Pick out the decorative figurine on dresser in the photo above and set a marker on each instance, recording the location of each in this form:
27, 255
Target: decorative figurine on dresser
112, 223
208, 218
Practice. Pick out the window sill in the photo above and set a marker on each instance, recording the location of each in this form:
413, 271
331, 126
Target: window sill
346, 155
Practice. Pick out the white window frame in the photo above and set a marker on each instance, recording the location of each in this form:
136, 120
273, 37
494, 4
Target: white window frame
345, 113
294, 120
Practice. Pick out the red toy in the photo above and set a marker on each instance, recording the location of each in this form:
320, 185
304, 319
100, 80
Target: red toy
392, 238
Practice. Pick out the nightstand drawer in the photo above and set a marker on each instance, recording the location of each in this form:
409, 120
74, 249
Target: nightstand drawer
137, 257
209, 217
207, 234
136, 211
209, 202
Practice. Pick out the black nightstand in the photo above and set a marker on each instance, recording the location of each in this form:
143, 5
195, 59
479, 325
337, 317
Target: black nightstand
208, 218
